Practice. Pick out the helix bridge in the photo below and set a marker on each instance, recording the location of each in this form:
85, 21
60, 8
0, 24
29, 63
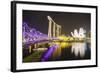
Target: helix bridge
31, 35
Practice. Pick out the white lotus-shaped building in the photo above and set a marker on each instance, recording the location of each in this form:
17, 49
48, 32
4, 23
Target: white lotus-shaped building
79, 48
80, 34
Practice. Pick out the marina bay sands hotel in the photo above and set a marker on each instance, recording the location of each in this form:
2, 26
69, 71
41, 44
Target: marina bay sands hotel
54, 30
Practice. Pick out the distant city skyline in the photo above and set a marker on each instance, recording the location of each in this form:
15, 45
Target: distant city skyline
68, 21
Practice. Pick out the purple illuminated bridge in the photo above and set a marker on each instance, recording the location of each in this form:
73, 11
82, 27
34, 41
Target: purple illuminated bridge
32, 36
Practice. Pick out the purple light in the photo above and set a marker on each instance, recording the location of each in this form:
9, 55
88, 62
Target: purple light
49, 52
31, 34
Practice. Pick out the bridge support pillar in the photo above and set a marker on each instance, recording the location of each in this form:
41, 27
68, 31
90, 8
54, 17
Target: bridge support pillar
30, 49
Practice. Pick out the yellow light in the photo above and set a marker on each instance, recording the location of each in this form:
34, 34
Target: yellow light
64, 44
64, 38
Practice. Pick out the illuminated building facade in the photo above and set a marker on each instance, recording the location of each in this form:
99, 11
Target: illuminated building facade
56, 28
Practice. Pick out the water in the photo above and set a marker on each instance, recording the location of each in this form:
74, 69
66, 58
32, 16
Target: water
77, 51
67, 51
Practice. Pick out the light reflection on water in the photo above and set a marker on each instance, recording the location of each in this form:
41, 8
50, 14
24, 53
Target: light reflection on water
69, 51
61, 51
79, 49
72, 51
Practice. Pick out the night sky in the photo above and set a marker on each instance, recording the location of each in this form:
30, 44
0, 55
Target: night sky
68, 21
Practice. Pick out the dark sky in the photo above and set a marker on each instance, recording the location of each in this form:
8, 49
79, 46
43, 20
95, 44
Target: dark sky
68, 21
